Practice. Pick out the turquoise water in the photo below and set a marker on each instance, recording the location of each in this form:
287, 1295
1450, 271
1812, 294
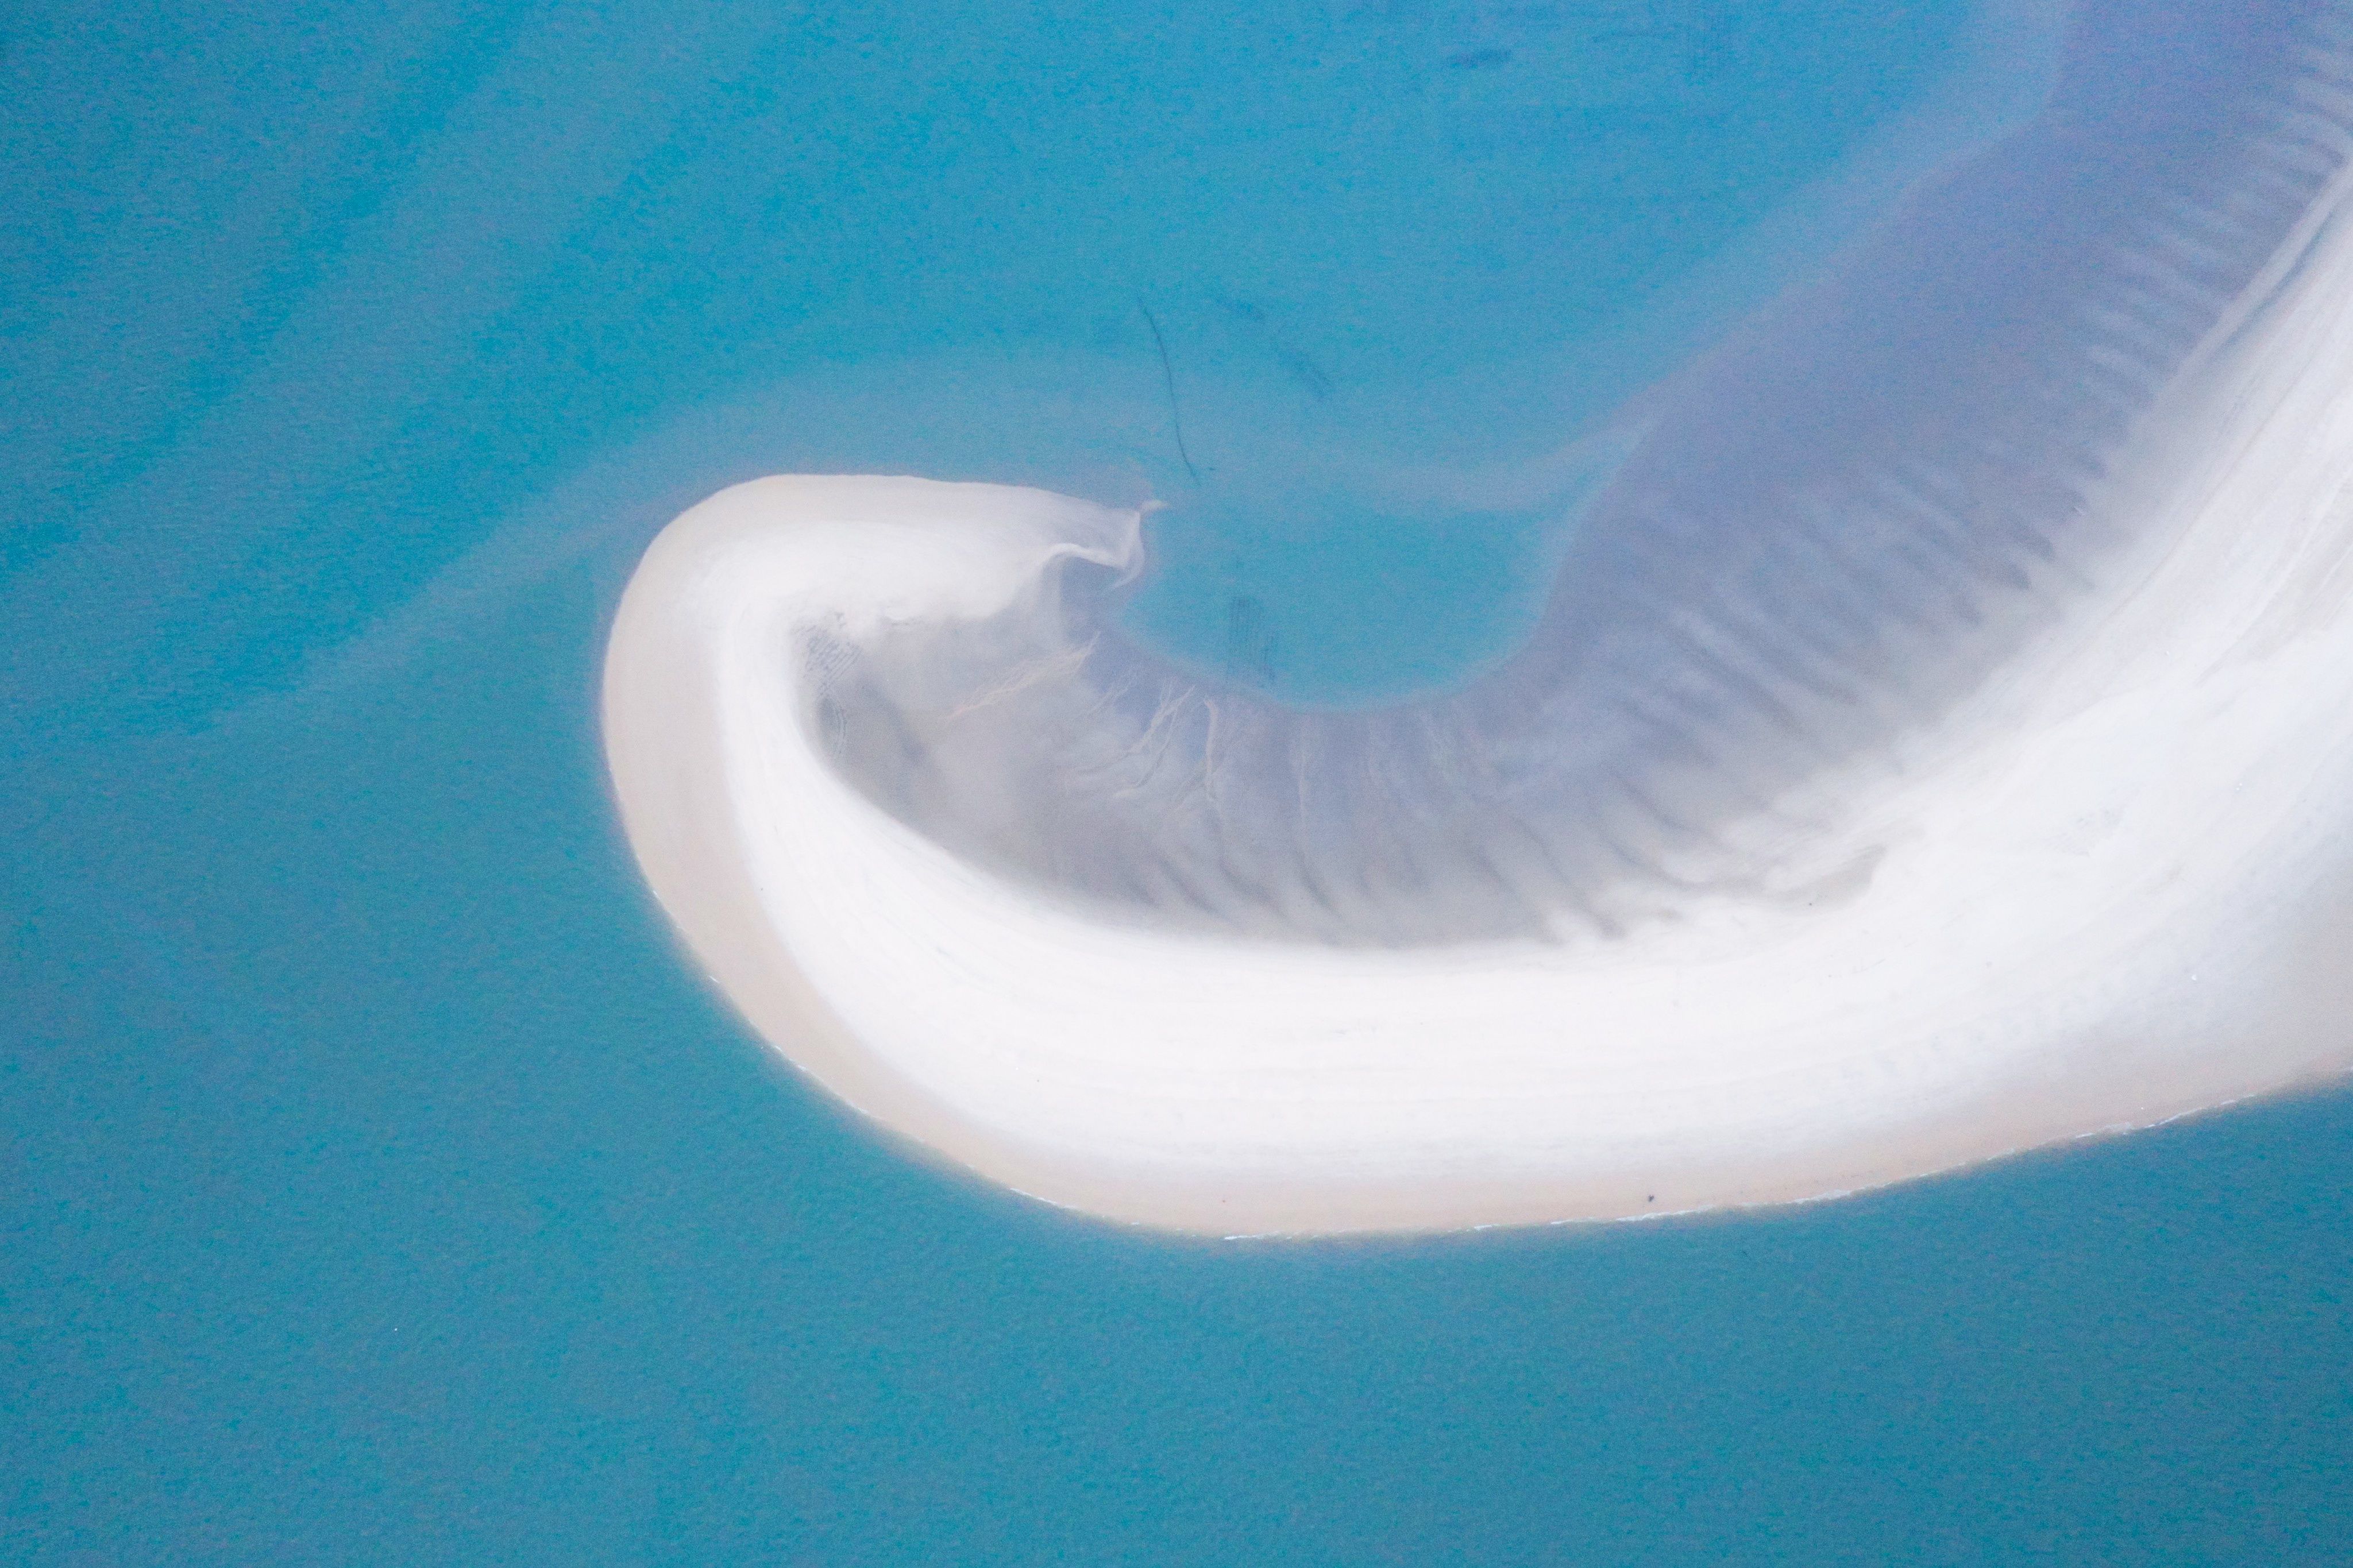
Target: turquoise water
378, 1186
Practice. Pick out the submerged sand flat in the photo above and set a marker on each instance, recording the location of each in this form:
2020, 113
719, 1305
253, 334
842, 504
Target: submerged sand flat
1931, 807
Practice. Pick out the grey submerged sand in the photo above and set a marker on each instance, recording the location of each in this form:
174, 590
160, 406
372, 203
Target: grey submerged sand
1978, 782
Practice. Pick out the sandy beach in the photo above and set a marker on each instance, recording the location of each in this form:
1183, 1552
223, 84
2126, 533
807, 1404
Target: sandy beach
2112, 888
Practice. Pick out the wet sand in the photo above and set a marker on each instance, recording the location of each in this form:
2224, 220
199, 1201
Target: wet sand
2112, 888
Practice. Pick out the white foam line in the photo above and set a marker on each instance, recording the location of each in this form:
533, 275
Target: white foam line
2115, 887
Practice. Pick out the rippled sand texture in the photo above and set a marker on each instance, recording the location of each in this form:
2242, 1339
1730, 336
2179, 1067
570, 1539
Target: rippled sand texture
1937, 743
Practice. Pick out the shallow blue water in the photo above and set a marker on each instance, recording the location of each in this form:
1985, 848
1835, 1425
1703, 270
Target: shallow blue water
378, 1185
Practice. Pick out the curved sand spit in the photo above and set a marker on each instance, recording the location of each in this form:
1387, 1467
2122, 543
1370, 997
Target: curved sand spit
2102, 884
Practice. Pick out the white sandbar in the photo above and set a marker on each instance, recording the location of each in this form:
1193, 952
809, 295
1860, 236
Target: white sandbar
2112, 890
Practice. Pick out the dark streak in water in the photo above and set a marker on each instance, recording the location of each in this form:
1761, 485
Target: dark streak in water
1305, 371
1169, 374
1479, 59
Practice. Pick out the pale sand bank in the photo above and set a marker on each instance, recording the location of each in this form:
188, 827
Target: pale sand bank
2111, 889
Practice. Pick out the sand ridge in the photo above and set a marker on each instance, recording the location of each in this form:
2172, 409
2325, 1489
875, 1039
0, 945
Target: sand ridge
2109, 890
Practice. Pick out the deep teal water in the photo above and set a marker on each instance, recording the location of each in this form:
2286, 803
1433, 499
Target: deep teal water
378, 1186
